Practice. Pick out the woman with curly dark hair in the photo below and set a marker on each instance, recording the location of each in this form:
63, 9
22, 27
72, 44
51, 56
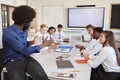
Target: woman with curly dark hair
17, 49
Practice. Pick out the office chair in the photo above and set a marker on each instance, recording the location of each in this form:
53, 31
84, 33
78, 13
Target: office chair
5, 71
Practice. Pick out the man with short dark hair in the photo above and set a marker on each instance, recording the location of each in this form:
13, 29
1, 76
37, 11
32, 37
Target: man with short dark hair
17, 50
97, 46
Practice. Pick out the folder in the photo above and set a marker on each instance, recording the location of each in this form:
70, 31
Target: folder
64, 49
81, 61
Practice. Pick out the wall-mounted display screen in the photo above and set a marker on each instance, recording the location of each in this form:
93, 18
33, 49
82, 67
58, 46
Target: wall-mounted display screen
81, 17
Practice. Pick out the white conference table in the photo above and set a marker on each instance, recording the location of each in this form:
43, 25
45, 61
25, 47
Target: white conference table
48, 62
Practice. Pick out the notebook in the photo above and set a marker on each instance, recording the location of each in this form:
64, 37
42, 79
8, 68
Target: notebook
64, 64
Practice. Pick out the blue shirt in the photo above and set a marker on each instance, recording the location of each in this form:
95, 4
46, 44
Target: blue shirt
15, 44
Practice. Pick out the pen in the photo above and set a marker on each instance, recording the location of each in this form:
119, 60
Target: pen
74, 71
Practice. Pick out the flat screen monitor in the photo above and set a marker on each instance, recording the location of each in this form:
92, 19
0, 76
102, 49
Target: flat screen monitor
83, 16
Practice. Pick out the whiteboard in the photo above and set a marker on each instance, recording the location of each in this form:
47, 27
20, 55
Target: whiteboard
53, 15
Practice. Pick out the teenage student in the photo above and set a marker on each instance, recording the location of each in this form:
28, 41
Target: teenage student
59, 34
109, 57
89, 29
17, 49
31, 34
92, 42
97, 46
42, 33
50, 34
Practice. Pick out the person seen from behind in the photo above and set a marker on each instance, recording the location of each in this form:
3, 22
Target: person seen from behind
17, 49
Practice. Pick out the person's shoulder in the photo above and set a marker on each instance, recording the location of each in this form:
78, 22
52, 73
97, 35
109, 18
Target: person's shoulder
108, 48
93, 40
8, 32
109, 51
9, 29
98, 42
62, 32
56, 32
47, 34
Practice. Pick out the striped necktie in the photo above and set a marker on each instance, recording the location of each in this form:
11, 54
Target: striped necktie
42, 38
59, 36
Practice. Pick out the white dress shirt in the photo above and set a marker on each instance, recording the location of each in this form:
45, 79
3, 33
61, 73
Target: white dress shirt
51, 36
94, 49
90, 44
107, 58
59, 36
41, 36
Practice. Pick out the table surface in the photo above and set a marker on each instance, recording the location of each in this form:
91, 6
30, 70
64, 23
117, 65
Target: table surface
48, 62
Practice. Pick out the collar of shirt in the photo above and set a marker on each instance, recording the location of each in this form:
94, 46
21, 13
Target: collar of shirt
18, 30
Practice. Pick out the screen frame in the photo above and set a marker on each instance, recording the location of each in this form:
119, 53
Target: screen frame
77, 27
113, 11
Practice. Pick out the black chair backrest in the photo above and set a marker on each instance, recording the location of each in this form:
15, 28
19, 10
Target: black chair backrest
1, 59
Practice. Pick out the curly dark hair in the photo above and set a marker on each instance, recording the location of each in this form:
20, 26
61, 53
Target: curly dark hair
23, 14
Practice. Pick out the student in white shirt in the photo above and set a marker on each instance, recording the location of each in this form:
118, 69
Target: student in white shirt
95, 49
59, 34
42, 33
109, 57
50, 34
92, 42
31, 34
38, 38
32, 38
46, 34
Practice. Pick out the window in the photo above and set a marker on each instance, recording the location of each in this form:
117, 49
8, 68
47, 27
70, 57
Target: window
6, 12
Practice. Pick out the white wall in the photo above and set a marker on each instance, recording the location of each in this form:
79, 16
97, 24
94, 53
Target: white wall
71, 4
